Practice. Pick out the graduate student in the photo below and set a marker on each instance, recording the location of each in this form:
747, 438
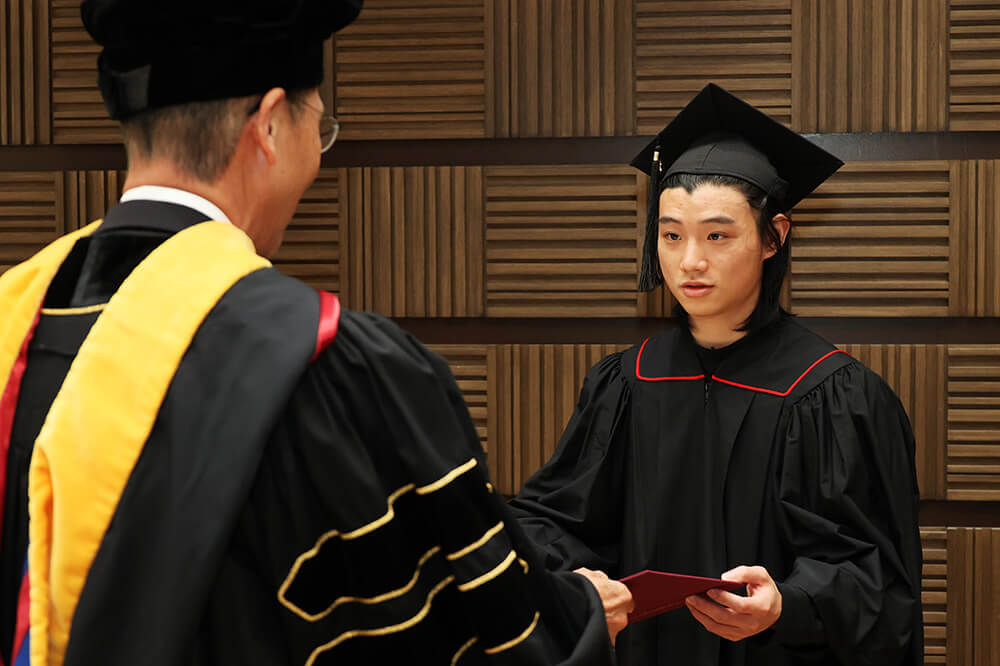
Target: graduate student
225, 466
738, 443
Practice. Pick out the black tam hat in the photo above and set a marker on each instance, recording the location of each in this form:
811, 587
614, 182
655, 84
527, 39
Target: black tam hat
163, 52
719, 134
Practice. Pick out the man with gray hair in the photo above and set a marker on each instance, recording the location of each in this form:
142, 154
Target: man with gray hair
222, 465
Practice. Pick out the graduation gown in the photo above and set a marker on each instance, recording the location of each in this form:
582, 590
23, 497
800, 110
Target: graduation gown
789, 455
311, 490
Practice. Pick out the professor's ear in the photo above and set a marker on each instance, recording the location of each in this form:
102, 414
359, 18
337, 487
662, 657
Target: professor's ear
264, 125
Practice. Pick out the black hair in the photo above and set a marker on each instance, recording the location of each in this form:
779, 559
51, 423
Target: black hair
768, 307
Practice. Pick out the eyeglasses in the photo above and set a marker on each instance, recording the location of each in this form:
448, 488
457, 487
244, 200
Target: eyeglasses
329, 127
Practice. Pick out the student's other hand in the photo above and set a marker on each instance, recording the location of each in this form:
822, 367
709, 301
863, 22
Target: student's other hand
617, 599
734, 617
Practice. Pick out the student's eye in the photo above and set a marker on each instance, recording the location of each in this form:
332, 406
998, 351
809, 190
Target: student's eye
671, 236
715, 235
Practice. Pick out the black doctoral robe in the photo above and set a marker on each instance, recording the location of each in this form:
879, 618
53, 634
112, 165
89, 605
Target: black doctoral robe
790, 455
350, 522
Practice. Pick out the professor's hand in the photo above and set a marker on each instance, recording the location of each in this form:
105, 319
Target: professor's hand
617, 599
735, 617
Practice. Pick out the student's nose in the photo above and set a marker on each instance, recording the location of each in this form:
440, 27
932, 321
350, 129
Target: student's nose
694, 259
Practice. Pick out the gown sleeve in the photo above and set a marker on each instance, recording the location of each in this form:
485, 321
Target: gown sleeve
374, 526
572, 508
848, 505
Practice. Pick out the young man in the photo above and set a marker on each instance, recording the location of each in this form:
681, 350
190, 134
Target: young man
225, 468
738, 443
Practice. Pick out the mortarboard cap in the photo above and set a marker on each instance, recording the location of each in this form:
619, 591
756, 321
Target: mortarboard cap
163, 52
717, 133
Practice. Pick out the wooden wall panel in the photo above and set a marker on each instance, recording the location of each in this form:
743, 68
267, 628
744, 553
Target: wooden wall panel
745, 46
561, 240
469, 364
78, 113
84, 196
974, 59
38, 207
29, 214
934, 594
974, 597
532, 391
311, 250
973, 462
918, 375
873, 241
413, 69
862, 66
24, 72
559, 68
414, 241
975, 234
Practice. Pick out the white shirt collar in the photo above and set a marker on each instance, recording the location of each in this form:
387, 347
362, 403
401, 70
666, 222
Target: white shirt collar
176, 196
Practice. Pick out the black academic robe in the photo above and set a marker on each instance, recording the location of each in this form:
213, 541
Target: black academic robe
790, 455
336, 513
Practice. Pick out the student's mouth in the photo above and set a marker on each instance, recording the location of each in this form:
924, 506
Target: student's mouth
695, 289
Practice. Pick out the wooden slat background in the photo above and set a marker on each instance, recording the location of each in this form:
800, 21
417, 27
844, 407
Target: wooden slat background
560, 68
469, 364
414, 241
412, 68
83, 196
975, 243
974, 65
486, 242
78, 113
562, 240
743, 45
312, 244
29, 214
874, 238
973, 633
532, 390
865, 66
934, 594
24, 72
973, 462
492, 68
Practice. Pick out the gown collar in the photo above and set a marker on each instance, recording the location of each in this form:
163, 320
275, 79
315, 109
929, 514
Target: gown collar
772, 360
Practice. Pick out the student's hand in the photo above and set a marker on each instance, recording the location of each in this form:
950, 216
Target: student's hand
617, 599
739, 617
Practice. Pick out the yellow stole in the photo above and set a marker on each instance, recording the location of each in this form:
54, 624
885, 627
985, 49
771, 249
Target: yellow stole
104, 413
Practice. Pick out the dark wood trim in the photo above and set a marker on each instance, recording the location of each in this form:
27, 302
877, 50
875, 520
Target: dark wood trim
577, 330
891, 146
937, 513
96, 157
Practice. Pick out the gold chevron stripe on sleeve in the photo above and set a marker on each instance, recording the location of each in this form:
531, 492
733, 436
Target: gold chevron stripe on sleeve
383, 631
514, 641
447, 478
489, 575
386, 596
478, 543
462, 650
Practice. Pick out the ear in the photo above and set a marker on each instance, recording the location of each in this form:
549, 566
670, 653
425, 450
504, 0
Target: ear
783, 225
265, 124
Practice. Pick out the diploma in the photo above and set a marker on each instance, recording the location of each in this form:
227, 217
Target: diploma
656, 592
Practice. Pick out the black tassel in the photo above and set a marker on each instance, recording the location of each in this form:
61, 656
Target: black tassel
650, 276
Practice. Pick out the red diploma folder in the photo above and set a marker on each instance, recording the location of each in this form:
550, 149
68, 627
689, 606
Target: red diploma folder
655, 592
